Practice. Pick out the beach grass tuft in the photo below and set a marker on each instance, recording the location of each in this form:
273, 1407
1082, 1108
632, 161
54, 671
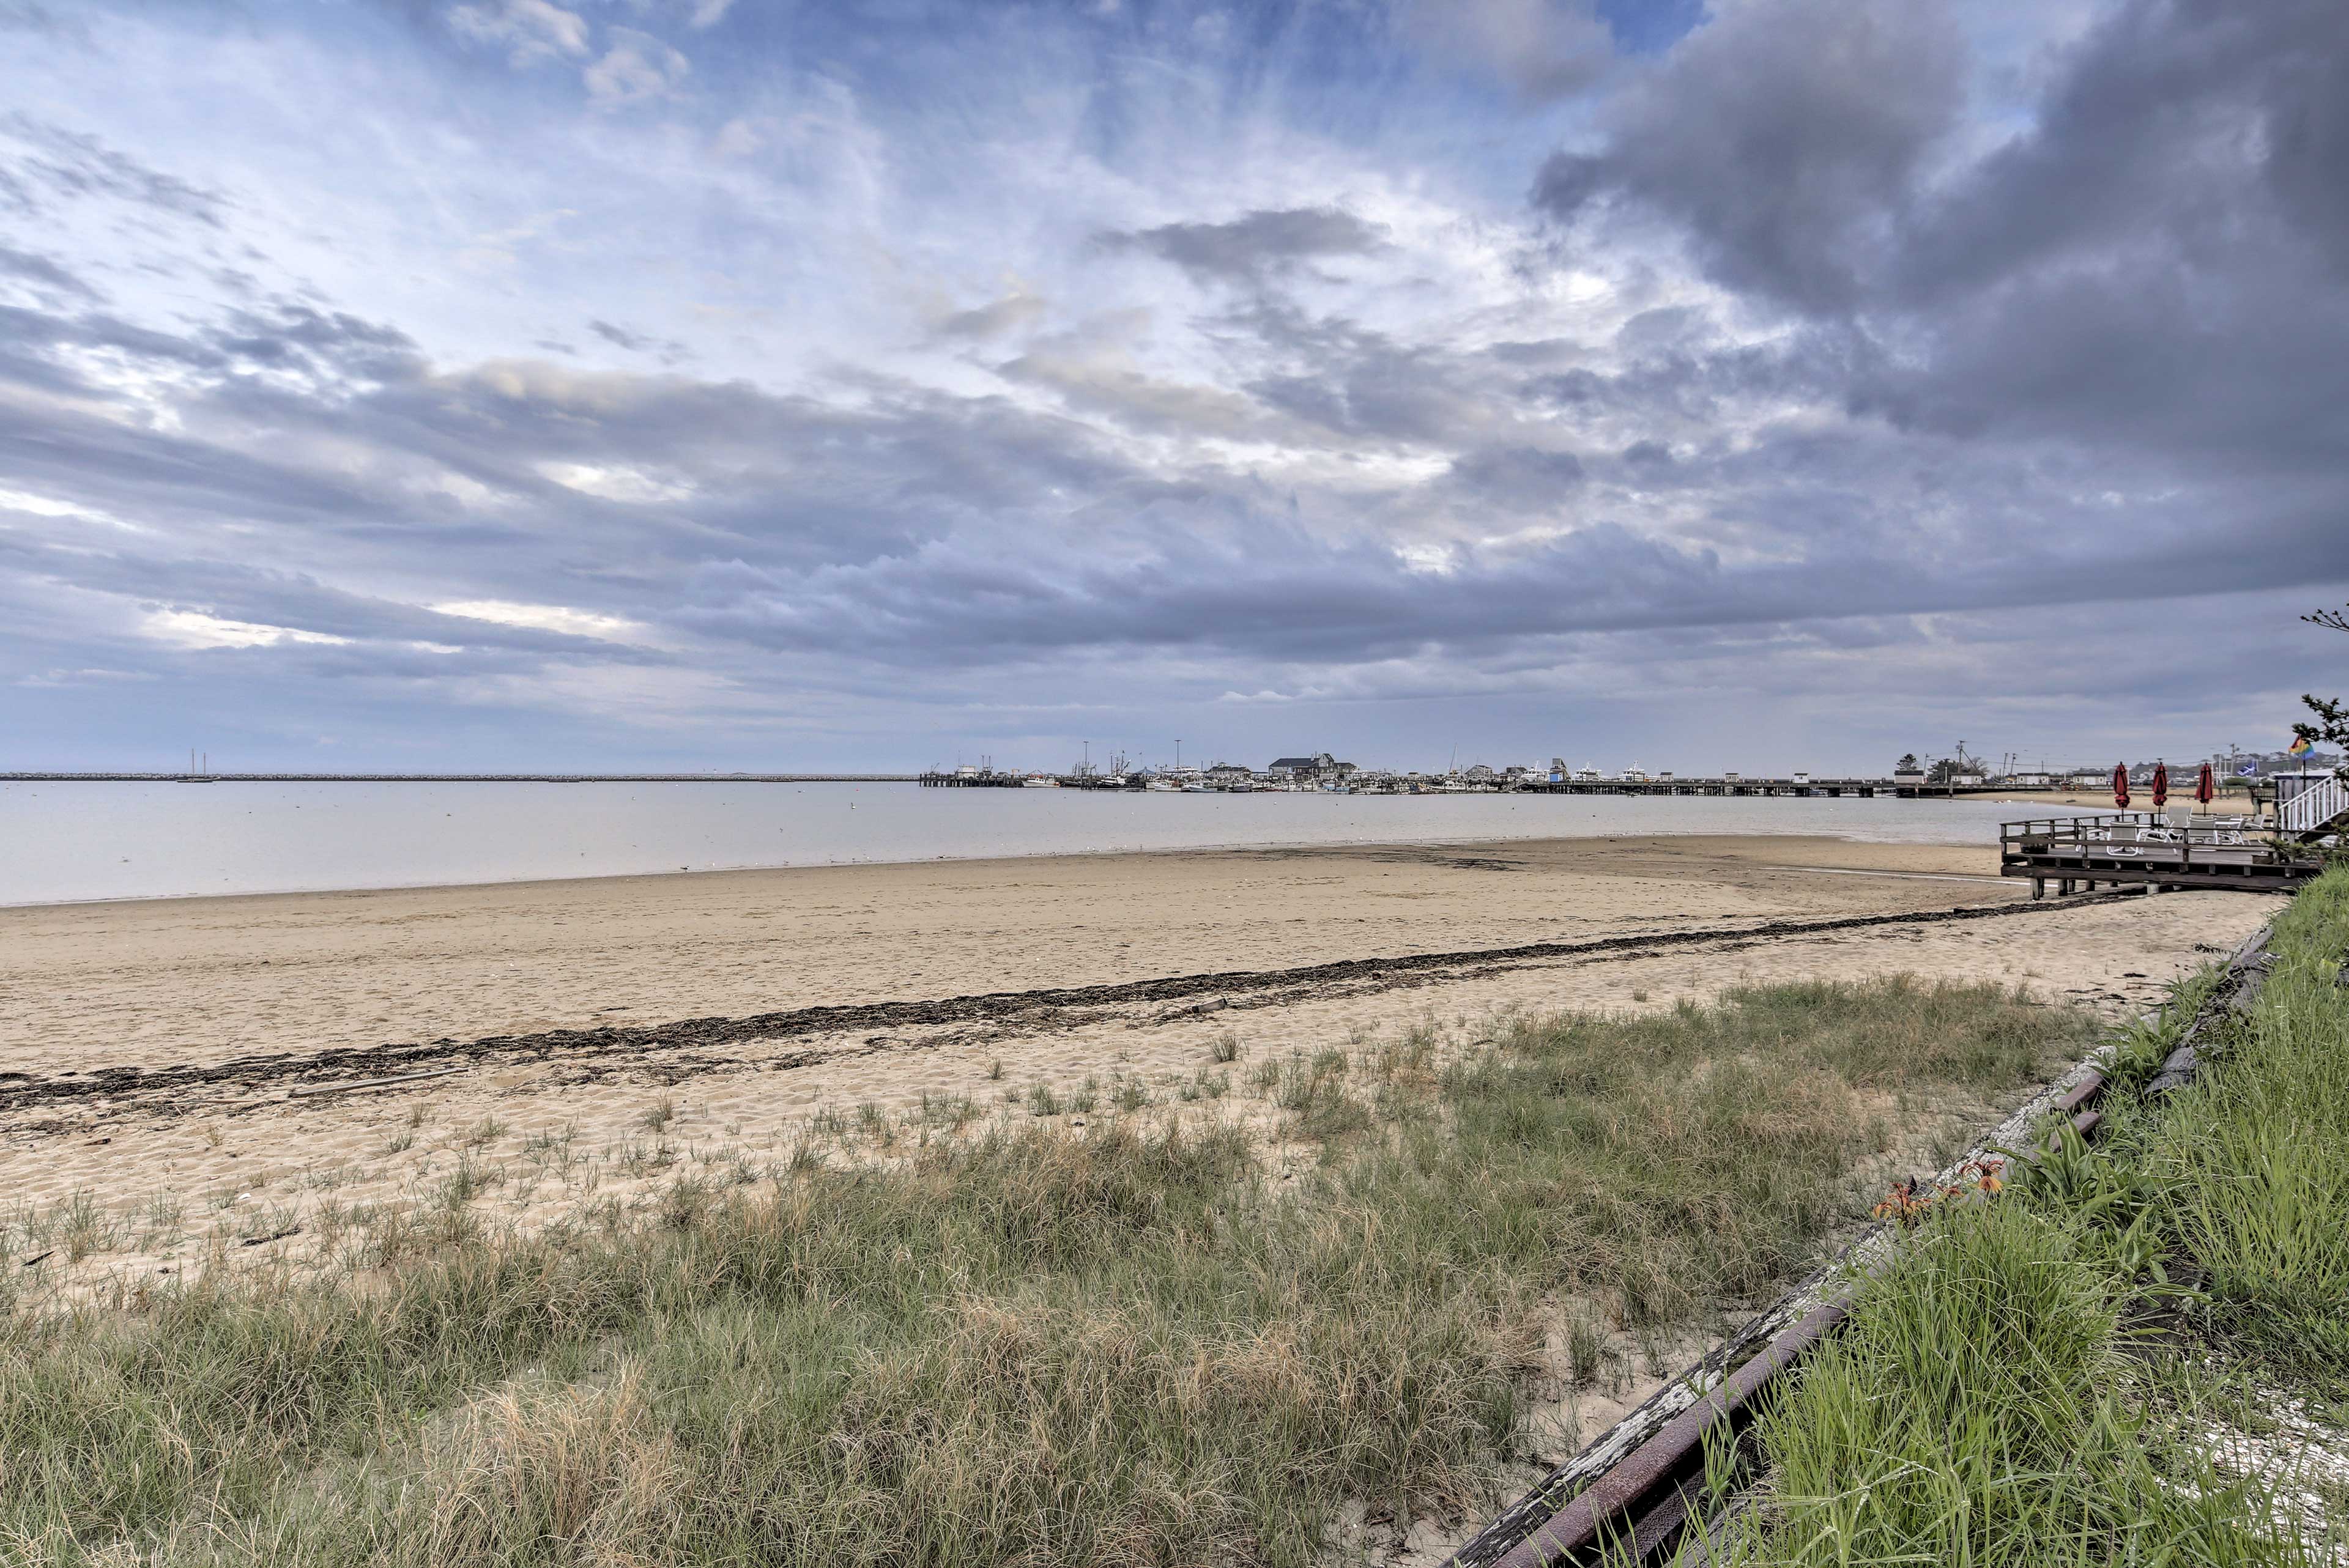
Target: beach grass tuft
1016, 1345
2052, 1377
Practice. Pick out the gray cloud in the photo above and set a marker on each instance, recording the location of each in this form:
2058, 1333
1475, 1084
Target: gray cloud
995, 318
1956, 407
76, 164
1518, 477
44, 272
922, 526
1256, 246
1544, 49
2151, 269
1785, 136
668, 350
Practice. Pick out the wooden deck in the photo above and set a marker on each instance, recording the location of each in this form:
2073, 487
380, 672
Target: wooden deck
2140, 849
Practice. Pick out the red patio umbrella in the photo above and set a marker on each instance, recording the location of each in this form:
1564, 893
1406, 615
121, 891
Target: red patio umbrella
2120, 785
2160, 785
2206, 785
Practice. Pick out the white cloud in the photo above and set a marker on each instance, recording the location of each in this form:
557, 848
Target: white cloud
738, 137
1433, 560
534, 30
194, 629
496, 248
49, 505
638, 68
87, 676
614, 481
560, 618
708, 13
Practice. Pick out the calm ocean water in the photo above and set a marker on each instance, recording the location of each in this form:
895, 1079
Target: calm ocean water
61, 842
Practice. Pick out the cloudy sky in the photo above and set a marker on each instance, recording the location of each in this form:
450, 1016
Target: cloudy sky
1765, 383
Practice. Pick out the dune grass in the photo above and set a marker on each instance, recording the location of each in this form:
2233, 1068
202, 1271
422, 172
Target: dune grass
2044, 1378
1144, 1344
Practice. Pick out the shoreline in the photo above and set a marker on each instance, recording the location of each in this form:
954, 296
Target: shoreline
233, 974
1236, 846
151, 1045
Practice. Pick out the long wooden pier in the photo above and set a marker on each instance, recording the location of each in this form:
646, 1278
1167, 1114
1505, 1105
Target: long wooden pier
1389, 784
1723, 785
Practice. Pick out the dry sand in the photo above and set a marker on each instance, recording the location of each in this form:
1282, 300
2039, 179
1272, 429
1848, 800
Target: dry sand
178, 1169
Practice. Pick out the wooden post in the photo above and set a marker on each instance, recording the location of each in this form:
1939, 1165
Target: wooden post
2038, 887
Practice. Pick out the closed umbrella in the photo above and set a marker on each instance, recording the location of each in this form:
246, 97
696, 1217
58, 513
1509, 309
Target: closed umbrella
2160, 785
2120, 785
2206, 785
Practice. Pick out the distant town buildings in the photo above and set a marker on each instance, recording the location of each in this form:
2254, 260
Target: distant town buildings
2260, 764
1319, 768
1322, 771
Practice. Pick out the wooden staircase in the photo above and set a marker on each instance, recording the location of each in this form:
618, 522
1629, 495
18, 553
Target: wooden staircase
2315, 811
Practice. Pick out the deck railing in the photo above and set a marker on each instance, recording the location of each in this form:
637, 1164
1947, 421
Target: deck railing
2044, 834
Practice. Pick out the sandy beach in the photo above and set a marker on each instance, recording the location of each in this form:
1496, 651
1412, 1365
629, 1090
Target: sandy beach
657, 1023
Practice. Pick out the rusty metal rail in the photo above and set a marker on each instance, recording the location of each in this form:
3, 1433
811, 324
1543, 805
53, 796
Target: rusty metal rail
1630, 1493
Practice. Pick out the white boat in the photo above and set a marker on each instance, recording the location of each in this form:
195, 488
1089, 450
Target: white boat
1039, 781
1164, 786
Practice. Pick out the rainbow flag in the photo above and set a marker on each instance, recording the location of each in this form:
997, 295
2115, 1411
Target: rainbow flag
2299, 745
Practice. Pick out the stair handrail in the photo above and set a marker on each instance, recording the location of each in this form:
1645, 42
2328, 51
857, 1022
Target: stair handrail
2314, 808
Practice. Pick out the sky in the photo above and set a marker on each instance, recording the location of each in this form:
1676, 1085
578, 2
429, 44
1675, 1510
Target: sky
750, 384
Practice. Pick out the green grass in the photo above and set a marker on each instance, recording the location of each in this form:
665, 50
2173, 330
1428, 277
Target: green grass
2258, 1150
1982, 1408
1999, 1395
1133, 1346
